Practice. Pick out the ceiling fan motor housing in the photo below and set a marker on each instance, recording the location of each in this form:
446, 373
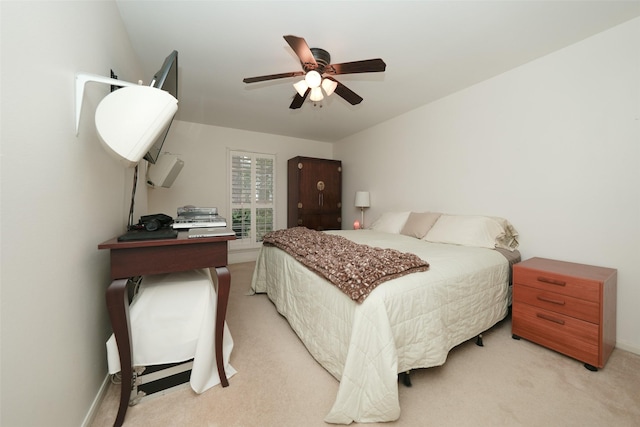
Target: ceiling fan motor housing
322, 58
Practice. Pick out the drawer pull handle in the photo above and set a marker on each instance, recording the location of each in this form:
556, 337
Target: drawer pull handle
549, 318
551, 281
551, 300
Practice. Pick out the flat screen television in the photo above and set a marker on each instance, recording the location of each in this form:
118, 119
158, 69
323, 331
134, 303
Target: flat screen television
166, 79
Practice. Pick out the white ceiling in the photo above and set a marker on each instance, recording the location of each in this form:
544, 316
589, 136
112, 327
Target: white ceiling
431, 48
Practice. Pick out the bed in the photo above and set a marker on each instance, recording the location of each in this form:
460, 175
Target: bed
410, 321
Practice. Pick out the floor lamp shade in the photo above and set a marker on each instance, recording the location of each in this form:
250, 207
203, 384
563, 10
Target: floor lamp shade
131, 119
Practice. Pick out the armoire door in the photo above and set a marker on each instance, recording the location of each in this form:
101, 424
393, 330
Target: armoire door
315, 193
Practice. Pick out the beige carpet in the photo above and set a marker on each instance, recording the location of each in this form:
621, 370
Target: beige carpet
504, 383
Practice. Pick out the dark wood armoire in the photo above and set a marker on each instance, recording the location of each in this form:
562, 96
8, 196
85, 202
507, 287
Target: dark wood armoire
314, 193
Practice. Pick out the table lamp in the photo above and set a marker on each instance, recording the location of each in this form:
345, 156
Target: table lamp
362, 202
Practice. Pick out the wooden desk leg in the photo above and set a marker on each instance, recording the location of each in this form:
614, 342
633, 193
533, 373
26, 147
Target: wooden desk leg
224, 283
118, 308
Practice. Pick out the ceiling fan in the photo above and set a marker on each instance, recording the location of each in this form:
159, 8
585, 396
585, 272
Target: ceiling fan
318, 72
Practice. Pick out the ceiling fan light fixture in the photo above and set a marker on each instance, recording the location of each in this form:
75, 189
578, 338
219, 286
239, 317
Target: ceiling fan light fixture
316, 94
313, 79
301, 87
329, 86
315, 63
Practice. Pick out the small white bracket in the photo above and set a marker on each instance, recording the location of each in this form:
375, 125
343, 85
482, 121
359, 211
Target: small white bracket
82, 79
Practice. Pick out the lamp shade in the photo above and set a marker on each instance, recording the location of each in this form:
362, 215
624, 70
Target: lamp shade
301, 87
313, 78
316, 94
362, 199
329, 86
130, 120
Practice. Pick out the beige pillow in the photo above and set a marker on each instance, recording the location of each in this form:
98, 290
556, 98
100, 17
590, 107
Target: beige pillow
390, 222
419, 223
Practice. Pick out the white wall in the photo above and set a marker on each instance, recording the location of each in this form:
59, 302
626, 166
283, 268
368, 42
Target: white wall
203, 180
554, 146
62, 195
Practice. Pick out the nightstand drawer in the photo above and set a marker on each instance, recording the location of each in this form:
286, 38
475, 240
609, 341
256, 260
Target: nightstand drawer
573, 337
551, 282
559, 303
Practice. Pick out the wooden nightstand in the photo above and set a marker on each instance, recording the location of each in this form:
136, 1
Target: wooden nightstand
567, 307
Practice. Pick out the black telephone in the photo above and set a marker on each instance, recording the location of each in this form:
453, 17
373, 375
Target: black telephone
154, 222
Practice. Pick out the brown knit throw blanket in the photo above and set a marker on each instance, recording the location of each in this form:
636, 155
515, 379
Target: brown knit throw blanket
354, 268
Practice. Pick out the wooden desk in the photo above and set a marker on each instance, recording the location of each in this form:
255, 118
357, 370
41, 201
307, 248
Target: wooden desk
138, 258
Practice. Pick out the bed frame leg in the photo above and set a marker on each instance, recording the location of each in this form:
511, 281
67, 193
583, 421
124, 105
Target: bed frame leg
405, 378
479, 341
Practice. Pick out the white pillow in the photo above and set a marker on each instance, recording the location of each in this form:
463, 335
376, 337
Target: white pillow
465, 230
390, 222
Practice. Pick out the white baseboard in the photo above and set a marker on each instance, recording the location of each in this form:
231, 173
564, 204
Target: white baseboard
95, 405
628, 347
237, 257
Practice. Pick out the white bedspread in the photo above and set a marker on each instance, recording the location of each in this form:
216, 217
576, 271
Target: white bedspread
173, 320
407, 323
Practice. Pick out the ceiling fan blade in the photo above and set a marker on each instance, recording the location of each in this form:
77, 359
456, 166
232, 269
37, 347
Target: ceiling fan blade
350, 96
299, 100
273, 77
301, 48
367, 66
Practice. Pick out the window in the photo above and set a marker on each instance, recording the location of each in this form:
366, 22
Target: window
252, 197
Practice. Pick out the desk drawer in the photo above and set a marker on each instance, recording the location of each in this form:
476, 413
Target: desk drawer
576, 287
573, 337
558, 303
